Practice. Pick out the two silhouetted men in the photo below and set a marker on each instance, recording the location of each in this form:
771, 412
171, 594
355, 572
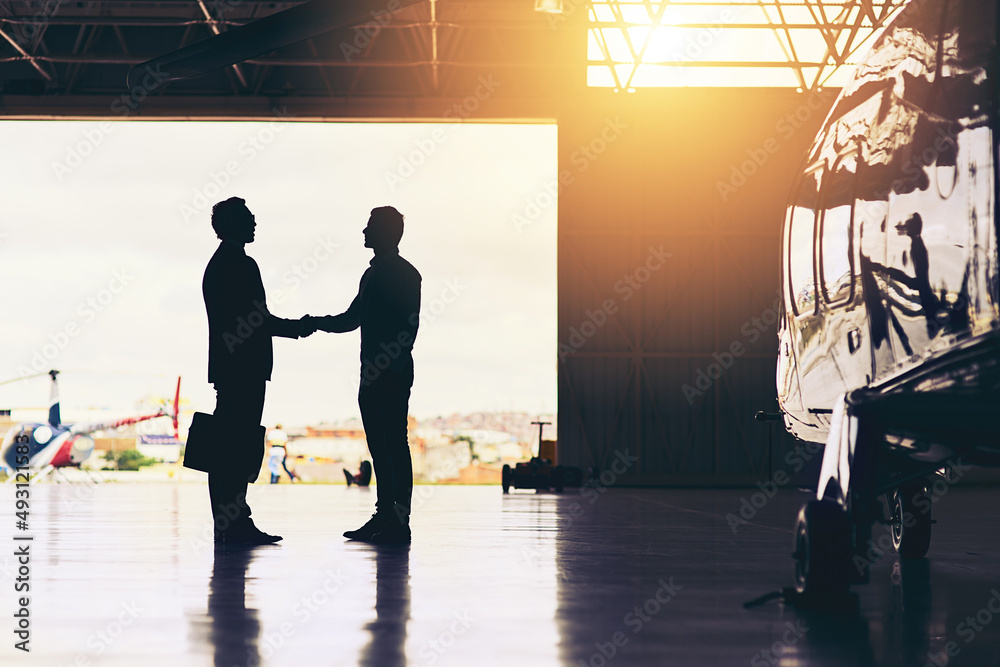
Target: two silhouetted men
387, 311
240, 359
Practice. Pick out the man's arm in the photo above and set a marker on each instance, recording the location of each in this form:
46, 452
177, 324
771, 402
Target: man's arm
349, 320
284, 328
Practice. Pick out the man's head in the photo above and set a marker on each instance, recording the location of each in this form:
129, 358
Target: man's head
233, 221
384, 230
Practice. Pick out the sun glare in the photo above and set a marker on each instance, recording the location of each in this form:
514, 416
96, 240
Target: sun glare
736, 43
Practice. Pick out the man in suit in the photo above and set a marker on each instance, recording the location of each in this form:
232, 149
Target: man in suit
387, 310
240, 357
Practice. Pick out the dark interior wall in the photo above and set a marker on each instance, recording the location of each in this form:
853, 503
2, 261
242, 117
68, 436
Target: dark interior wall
670, 211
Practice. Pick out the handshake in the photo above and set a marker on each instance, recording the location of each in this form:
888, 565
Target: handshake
308, 325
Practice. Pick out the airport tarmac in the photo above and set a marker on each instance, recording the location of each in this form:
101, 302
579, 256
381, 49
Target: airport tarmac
126, 575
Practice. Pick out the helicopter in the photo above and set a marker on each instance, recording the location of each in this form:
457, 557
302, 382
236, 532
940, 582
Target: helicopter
889, 337
34, 450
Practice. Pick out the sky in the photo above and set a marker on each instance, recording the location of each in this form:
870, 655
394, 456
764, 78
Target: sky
105, 233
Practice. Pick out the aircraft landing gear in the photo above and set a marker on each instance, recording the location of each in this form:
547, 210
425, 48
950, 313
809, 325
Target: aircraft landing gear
822, 549
910, 511
831, 531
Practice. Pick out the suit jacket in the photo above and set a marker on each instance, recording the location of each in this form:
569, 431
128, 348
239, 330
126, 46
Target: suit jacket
239, 325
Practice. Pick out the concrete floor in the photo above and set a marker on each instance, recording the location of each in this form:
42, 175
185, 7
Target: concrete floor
125, 574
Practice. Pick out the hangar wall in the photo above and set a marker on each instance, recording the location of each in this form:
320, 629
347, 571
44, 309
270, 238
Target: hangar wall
670, 210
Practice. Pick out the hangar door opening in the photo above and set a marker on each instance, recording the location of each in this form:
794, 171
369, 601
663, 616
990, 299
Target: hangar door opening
106, 234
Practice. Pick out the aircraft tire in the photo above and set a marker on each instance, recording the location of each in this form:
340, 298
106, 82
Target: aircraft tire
913, 540
505, 478
822, 549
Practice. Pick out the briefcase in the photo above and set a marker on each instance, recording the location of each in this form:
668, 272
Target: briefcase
204, 441
212, 447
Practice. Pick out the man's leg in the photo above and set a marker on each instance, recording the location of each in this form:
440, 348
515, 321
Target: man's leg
396, 397
373, 417
238, 410
394, 394
384, 406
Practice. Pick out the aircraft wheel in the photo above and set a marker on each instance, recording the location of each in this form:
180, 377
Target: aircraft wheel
822, 548
911, 521
505, 478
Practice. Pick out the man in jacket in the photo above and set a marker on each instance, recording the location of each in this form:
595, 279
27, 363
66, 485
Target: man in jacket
387, 311
240, 357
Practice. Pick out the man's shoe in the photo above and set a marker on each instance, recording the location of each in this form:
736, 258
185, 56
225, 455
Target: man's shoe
393, 534
251, 538
246, 534
365, 532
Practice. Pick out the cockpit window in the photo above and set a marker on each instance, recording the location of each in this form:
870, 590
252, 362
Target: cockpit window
836, 249
801, 231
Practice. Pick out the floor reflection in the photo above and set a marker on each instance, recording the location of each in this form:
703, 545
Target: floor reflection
823, 639
909, 615
625, 577
914, 613
234, 629
387, 646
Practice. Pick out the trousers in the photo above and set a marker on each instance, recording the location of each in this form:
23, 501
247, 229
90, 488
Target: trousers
384, 405
238, 410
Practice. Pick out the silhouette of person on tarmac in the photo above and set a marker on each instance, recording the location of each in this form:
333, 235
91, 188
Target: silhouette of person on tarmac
387, 311
240, 358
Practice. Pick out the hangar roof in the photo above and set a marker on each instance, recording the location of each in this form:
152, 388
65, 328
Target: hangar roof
71, 59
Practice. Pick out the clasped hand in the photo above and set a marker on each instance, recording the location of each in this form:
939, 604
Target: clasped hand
308, 325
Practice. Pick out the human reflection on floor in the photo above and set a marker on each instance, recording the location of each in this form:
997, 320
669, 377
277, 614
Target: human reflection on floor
234, 629
387, 646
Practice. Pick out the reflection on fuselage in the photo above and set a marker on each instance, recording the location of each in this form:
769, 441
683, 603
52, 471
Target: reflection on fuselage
890, 256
